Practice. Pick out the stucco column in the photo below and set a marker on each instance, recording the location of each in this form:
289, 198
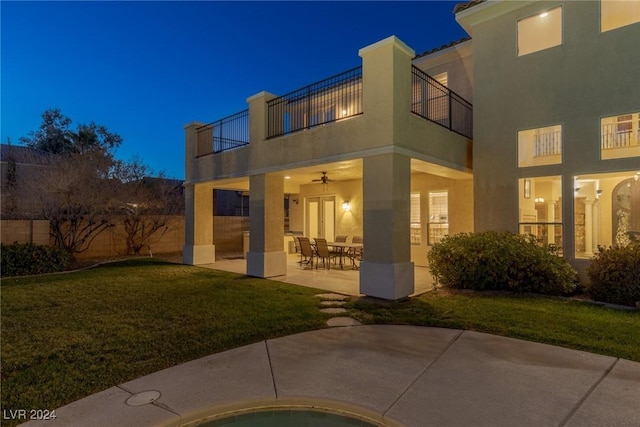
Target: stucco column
266, 257
387, 271
258, 116
198, 227
588, 228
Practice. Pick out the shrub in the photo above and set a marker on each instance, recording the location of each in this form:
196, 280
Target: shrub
614, 275
25, 259
500, 261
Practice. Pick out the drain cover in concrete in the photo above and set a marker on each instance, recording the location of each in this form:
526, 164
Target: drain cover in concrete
342, 321
332, 297
143, 398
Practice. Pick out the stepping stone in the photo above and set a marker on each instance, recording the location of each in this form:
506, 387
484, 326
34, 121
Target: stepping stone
333, 303
332, 297
342, 321
335, 310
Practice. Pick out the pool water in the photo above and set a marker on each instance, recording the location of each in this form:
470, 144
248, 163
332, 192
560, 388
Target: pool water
288, 418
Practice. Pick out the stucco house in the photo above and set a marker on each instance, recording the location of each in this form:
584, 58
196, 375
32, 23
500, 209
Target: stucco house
531, 125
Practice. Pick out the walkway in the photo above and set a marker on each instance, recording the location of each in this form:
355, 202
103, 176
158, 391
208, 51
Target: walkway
345, 281
394, 375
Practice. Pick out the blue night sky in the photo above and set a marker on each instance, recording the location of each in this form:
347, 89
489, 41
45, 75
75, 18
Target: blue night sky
145, 69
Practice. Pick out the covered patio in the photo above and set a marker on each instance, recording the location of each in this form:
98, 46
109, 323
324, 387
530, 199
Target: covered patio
337, 280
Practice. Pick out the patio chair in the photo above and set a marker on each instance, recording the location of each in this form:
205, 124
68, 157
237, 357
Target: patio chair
296, 244
355, 254
322, 251
306, 253
341, 238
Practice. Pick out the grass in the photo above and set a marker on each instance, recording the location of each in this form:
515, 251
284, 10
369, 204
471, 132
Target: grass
566, 323
66, 336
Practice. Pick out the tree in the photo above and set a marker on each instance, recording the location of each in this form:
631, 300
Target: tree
76, 198
152, 206
55, 137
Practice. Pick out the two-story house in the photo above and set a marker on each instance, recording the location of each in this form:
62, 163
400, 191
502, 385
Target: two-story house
388, 150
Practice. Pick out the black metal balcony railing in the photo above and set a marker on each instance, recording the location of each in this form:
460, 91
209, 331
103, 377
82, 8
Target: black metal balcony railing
326, 101
224, 134
437, 103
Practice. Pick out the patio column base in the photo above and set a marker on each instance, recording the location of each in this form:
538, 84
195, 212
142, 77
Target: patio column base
387, 281
266, 264
198, 254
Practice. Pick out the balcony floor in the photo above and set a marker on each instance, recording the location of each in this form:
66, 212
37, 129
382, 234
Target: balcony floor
345, 281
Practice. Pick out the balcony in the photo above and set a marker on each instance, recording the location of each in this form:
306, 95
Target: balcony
437, 103
224, 134
329, 100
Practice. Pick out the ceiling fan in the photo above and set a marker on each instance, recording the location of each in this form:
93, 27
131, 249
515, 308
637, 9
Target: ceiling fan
324, 180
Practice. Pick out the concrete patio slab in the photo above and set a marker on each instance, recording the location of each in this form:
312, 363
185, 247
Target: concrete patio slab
485, 380
108, 408
353, 365
239, 377
614, 402
336, 280
396, 375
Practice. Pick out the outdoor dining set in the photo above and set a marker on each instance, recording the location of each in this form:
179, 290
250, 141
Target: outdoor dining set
339, 251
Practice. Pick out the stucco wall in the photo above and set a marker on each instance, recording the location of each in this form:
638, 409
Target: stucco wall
591, 75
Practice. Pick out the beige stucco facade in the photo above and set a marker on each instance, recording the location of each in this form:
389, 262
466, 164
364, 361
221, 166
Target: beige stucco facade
590, 75
375, 161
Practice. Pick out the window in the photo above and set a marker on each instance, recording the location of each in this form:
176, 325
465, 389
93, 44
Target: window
606, 211
438, 225
540, 32
442, 78
618, 13
540, 209
620, 136
541, 146
416, 226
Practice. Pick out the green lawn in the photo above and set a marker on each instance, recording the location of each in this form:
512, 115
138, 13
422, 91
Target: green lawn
566, 323
66, 336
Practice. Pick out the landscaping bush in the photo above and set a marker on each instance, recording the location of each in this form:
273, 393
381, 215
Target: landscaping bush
614, 275
25, 259
500, 261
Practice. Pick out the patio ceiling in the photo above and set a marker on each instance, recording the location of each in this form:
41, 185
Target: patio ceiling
336, 171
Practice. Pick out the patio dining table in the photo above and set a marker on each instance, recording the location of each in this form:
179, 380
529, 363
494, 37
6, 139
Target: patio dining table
343, 247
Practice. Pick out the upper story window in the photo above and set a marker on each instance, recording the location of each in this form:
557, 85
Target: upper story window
618, 13
620, 136
442, 78
540, 31
541, 146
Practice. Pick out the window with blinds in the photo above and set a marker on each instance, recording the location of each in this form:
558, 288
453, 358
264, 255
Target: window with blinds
438, 225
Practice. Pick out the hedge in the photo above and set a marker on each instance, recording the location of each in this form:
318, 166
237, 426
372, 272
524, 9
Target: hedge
26, 259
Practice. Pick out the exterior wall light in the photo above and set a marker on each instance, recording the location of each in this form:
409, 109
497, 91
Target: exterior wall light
346, 206
539, 199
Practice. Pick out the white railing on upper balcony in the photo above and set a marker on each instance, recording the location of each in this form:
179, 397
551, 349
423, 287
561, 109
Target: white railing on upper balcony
613, 138
548, 144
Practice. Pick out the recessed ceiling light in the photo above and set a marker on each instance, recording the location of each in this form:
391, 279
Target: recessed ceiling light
287, 177
544, 14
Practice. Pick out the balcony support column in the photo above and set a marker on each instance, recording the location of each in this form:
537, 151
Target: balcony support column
386, 270
199, 247
266, 257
